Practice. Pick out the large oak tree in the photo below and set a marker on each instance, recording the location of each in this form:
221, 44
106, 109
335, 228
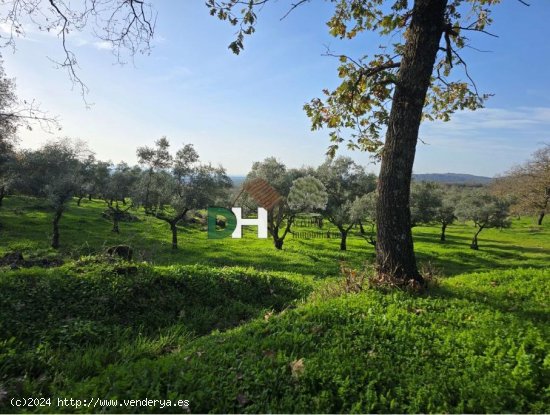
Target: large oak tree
389, 92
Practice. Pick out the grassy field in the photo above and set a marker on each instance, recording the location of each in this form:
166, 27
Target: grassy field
237, 326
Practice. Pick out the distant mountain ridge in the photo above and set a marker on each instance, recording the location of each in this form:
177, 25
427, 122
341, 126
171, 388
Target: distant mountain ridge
237, 180
452, 178
448, 178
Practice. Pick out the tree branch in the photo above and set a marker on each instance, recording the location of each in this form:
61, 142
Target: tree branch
292, 7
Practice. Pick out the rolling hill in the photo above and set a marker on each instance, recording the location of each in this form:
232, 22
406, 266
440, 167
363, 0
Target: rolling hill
452, 178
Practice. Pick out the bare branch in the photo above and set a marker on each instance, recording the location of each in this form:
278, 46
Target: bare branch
292, 7
478, 30
366, 71
126, 25
472, 82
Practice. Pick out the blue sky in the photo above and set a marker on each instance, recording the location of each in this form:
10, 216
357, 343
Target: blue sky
240, 109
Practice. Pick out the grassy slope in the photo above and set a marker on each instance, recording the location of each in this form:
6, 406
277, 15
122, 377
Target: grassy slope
84, 231
477, 343
469, 346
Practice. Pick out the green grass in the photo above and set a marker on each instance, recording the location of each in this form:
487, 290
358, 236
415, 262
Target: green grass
59, 325
83, 231
469, 346
237, 326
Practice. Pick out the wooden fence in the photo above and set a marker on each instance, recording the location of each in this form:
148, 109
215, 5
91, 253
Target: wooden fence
315, 235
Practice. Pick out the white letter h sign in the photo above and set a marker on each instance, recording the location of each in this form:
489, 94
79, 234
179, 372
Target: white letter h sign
261, 222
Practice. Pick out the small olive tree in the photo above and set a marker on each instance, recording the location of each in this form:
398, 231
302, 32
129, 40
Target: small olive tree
344, 181
180, 185
445, 214
426, 199
49, 173
307, 194
154, 160
485, 210
279, 217
85, 178
120, 186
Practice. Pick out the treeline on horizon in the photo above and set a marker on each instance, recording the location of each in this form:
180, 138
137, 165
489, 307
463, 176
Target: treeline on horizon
169, 185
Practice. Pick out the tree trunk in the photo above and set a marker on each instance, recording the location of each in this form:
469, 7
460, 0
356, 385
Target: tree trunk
147, 190
55, 223
277, 240
474, 244
2, 194
343, 238
79, 200
443, 227
115, 223
394, 245
90, 197
361, 228
174, 229
278, 243
274, 224
539, 220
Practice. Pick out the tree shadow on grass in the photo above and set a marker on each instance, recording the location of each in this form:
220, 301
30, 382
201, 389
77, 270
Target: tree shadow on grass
297, 256
497, 300
455, 257
73, 322
45, 306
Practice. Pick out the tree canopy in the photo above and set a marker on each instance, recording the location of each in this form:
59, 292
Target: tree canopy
484, 210
528, 184
49, 173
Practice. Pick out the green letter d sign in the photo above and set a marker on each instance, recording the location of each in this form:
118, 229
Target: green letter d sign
230, 222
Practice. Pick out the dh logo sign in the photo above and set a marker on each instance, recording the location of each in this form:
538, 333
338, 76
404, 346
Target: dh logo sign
235, 222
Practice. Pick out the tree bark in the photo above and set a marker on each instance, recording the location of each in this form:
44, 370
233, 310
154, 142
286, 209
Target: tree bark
2, 194
474, 244
147, 191
174, 229
443, 228
115, 223
79, 200
55, 223
277, 240
343, 238
361, 228
539, 220
173, 222
116, 215
394, 247
274, 222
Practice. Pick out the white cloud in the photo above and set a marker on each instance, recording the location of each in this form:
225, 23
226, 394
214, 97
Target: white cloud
159, 39
5, 28
103, 45
490, 125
